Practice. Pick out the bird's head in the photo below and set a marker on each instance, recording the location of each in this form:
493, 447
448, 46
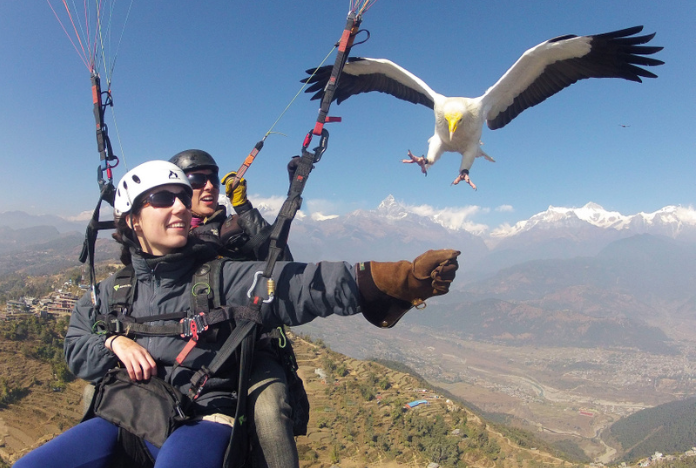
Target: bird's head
453, 117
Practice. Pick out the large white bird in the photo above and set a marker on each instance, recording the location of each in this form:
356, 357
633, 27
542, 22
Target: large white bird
542, 71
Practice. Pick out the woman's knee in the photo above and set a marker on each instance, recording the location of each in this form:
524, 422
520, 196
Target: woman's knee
200, 444
89, 444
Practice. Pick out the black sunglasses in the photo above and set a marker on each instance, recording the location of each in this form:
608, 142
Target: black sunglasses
199, 179
165, 199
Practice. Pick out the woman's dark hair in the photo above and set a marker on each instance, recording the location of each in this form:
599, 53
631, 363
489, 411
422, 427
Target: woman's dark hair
124, 235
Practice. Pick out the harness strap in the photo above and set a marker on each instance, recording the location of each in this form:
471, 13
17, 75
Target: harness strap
237, 447
122, 298
185, 326
344, 45
107, 193
201, 294
241, 331
201, 291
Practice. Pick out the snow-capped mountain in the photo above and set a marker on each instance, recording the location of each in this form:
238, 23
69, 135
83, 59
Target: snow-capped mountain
589, 221
671, 221
391, 231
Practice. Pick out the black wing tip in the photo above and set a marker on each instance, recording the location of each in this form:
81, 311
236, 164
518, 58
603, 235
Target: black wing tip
628, 48
622, 32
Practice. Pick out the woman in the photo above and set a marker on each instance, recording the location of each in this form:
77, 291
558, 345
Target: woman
152, 211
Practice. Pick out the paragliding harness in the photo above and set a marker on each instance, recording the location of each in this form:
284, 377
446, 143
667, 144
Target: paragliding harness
198, 323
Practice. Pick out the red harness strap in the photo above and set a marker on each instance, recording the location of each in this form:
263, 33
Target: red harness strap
197, 324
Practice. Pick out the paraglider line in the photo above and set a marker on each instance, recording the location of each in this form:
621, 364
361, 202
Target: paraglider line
84, 53
68, 34
118, 46
270, 130
118, 137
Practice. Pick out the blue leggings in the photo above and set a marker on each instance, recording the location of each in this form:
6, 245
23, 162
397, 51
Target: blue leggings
90, 445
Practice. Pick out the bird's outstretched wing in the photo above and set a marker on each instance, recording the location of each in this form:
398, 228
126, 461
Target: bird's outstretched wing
544, 70
363, 75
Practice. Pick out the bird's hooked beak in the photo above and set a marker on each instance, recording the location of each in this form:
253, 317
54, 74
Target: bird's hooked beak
452, 122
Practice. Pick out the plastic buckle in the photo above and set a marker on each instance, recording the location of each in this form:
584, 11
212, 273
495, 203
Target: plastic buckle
118, 326
197, 387
180, 412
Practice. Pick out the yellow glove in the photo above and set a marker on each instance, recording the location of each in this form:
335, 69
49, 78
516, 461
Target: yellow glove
238, 194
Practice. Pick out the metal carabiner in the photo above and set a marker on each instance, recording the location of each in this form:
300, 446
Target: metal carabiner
323, 144
271, 288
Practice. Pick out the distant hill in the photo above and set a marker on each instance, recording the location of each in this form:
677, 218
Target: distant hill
53, 255
387, 233
22, 220
521, 323
642, 266
668, 428
629, 289
17, 239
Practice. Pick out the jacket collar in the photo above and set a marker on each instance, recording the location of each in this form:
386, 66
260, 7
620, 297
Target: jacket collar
174, 264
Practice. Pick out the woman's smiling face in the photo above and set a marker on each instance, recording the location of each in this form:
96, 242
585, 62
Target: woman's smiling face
205, 198
161, 230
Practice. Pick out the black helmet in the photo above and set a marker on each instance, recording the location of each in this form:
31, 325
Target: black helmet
193, 159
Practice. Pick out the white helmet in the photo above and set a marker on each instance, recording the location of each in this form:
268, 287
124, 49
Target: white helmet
143, 178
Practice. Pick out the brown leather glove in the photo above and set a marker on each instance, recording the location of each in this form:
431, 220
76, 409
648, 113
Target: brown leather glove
390, 289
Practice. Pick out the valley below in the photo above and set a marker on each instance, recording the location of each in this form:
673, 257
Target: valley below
560, 394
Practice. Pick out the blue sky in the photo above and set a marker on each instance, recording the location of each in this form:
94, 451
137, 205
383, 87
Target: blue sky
215, 75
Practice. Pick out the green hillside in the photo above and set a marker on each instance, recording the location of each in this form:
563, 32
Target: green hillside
668, 428
358, 416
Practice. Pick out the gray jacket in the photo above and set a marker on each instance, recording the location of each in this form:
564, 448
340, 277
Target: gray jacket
303, 292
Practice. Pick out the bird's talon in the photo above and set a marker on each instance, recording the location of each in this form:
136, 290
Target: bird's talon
465, 177
420, 160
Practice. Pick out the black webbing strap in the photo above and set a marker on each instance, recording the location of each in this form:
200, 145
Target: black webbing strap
107, 190
352, 25
292, 204
202, 290
93, 228
106, 154
242, 329
124, 289
238, 445
127, 325
281, 226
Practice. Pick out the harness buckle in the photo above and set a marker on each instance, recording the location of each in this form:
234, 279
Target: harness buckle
193, 326
116, 325
198, 381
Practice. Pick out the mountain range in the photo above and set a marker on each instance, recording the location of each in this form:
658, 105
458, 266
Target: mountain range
596, 268
555, 233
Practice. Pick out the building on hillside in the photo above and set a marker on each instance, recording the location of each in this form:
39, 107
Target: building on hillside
59, 305
413, 404
17, 309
